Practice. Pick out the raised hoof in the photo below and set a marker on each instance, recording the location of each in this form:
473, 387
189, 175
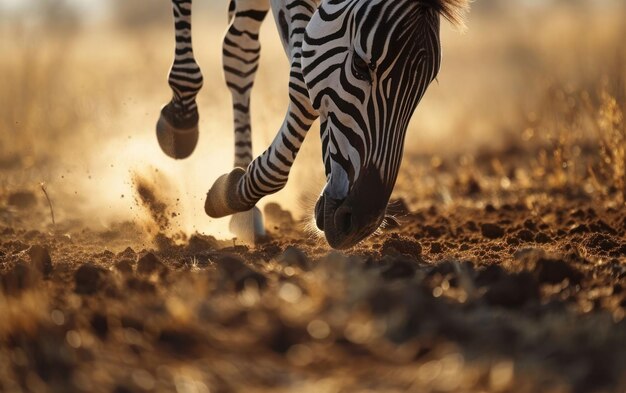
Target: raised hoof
223, 197
177, 137
248, 226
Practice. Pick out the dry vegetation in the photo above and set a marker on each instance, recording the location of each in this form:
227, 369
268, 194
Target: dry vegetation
504, 269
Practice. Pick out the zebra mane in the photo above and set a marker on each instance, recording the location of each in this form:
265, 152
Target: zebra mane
453, 10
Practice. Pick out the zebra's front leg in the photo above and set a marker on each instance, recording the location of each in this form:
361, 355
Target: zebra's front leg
241, 189
240, 55
177, 128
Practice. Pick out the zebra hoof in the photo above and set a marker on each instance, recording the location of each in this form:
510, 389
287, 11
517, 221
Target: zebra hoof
223, 199
248, 226
177, 137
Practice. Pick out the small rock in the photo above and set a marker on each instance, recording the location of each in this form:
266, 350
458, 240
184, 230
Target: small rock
601, 242
396, 244
293, 256
198, 243
601, 226
164, 243
512, 241
40, 259
435, 231
525, 235
471, 226
127, 253
530, 224
89, 278
125, 266
149, 264
436, 248
542, 237
492, 231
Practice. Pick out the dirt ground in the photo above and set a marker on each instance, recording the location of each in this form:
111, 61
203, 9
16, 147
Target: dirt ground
524, 294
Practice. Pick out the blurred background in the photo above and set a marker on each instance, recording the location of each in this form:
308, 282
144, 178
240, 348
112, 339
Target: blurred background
82, 83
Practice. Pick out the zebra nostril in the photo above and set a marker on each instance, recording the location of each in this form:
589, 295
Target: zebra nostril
343, 220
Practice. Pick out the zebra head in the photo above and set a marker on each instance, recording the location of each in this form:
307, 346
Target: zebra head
367, 64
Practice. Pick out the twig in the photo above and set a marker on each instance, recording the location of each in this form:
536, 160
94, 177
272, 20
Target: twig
43, 188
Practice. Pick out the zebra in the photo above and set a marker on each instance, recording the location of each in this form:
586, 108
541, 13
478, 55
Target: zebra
359, 66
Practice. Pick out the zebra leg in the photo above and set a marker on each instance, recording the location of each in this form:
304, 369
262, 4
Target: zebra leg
241, 189
240, 56
177, 128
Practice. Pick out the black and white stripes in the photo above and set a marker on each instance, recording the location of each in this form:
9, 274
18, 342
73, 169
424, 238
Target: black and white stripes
361, 66
240, 56
380, 58
185, 77
269, 172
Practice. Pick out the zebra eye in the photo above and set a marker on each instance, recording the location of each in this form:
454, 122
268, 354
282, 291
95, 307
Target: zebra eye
360, 68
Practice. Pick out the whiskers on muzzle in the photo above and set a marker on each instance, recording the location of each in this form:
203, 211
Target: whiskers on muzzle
310, 229
395, 216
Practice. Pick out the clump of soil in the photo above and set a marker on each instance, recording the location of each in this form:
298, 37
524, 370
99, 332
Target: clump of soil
89, 278
400, 245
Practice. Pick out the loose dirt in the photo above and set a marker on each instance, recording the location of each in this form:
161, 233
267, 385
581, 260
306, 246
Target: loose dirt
498, 291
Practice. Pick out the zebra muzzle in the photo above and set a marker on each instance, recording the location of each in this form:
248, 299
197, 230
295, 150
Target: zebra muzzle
347, 221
